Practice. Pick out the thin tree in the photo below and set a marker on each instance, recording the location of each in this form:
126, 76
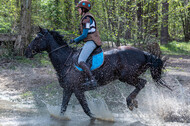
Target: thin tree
139, 20
186, 22
25, 27
164, 26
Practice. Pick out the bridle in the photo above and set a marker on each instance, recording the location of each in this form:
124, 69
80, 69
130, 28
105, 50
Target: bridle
65, 64
34, 52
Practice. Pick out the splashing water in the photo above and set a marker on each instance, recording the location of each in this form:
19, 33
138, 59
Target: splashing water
96, 105
99, 107
161, 106
54, 112
157, 106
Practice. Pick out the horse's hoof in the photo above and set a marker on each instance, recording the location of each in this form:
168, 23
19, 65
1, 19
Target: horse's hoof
130, 108
136, 103
61, 114
92, 117
132, 103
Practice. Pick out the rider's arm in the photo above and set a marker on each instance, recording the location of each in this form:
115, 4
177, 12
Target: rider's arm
86, 26
83, 36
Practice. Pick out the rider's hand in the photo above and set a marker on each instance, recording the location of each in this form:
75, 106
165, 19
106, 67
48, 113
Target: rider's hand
72, 41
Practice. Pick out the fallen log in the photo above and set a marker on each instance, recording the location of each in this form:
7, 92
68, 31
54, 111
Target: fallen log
8, 37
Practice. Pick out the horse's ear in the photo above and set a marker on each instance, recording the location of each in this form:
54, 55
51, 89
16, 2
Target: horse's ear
41, 29
45, 30
165, 58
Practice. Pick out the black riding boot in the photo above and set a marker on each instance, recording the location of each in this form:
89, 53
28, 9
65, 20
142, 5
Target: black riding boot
92, 83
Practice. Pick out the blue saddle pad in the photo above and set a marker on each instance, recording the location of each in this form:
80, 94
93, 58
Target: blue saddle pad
97, 61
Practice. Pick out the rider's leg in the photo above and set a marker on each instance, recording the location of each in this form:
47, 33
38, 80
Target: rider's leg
86, 69
88, 48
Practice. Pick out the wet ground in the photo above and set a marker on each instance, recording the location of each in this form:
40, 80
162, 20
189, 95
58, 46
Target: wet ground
29, 95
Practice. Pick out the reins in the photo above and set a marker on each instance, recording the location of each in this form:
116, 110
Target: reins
65, 64
58, 48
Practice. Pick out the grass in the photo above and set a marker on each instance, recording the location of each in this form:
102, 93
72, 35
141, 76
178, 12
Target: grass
27, 94
38, 60
176, 48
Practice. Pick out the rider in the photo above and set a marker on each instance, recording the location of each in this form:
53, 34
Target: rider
90, 35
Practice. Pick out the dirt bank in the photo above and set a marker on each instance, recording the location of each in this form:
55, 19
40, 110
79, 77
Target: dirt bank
179, 67
21, 77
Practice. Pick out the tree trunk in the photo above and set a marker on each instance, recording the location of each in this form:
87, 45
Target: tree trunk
139, 20
128, 20
145, 21
154, 18
68, 14
25, 27
56, 20
164, 27
187, 26
76, 2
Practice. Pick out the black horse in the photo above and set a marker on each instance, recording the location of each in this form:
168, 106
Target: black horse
124, 63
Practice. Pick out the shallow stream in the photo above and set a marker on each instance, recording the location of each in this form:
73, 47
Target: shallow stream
156, 106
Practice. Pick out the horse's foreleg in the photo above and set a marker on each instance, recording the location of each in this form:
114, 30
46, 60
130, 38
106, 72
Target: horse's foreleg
82, 100
66, 97
131, 102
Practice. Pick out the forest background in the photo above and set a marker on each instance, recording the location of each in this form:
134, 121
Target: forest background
120, 22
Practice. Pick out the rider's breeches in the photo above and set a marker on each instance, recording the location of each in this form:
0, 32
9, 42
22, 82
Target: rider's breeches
87, 49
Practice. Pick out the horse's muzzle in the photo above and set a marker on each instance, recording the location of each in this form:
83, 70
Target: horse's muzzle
28, 53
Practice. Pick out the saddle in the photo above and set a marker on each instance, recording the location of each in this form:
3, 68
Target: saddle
94, 61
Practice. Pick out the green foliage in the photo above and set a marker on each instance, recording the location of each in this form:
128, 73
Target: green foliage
39, 61
117, 20
27, 94
4, 26
8, 15
176, 48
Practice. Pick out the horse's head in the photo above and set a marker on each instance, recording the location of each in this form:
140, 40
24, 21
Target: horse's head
157, 70
39, 43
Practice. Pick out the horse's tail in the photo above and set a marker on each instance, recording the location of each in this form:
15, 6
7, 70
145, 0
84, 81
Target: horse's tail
156, 68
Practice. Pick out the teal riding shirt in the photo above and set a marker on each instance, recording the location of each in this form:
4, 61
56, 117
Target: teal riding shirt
84, 33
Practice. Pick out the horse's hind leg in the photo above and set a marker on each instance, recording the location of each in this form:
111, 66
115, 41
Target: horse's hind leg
66, 97
82, 100
139, 84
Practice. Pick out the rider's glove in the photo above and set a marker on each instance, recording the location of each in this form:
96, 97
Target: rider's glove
72, 41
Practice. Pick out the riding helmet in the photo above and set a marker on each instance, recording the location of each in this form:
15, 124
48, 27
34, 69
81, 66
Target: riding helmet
84, 4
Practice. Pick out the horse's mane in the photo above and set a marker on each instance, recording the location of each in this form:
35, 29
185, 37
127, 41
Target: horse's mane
58, 37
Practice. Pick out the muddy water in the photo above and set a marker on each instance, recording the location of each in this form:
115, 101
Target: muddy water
157, 107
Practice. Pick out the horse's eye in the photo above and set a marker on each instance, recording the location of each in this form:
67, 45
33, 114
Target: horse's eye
33, 51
